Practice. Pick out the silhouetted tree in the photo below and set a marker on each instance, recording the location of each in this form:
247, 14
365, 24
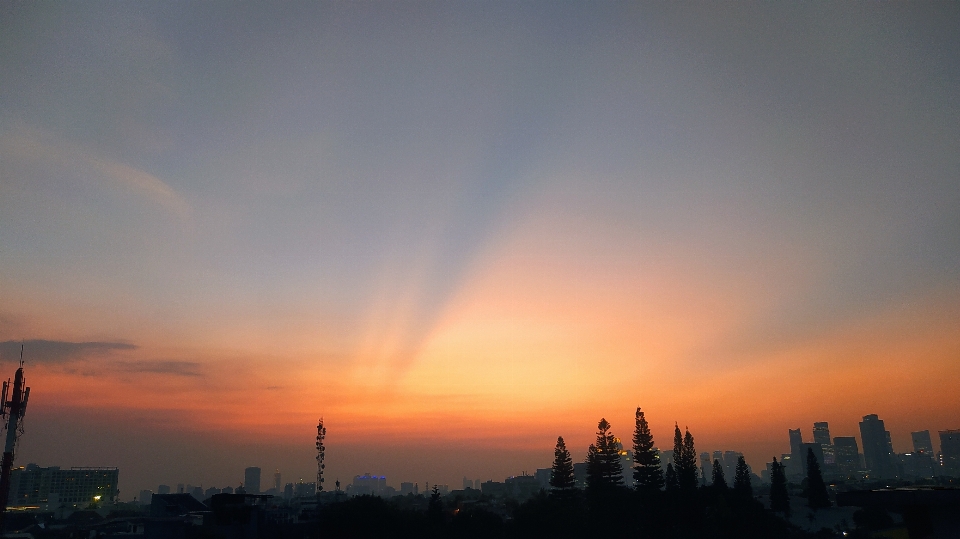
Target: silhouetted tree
561, 477
741, 481
817, 497
435, 509
604, 470
670, 479
719, 481
646, 459
685, 460
779, 499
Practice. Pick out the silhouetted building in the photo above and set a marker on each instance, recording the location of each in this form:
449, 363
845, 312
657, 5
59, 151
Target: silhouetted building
367, 484
467, 483
580, 474
950, 452
877, 452
706, 465
821, 433
847, 455
276, 481
163, 489
916, 465
52, 487
493, 488
207, 494
145, 496
407, 488
795, 466
302, 489
543, 476
174, 505
922, 442
251, 480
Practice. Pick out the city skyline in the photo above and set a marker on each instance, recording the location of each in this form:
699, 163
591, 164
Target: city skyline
457, 231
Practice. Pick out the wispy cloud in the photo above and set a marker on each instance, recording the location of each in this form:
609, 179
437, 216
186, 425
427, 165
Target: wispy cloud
42, 351
34, 144
175, 368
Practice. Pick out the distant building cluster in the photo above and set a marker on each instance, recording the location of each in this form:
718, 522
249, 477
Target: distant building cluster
842, 458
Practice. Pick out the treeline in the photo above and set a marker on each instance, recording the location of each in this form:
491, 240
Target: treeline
670, 504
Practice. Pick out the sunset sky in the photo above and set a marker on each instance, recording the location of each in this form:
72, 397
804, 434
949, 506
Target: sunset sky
458, 230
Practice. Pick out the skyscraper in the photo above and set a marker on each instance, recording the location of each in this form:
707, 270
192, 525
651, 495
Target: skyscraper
922, 442
251, 480
876, 447
847, 455
797, 456
821, 433
276, 481
950, 452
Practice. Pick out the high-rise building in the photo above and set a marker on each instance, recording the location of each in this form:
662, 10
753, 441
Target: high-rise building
794, 466
706, 464
163, 489
922, 442
847, 455
821, 433
76, 487
276, 481
251, 480
145, 497
950, 452
877, 452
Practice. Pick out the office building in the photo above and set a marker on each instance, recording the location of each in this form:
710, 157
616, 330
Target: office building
251, 480
276, 481
950, 452
821, 433
846, 455
922, 442
145, 497
52, 488
877, 452
163, 489
795, 467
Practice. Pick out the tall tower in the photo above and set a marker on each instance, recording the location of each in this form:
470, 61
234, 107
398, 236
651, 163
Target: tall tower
321, 434
949, 451
12, 410
922, 442
251, 480
876, 447
821, 433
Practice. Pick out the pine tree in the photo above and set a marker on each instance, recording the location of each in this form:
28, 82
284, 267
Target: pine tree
435, 507
603, 460
719, 481
561, 478
817, 497
670, 479
685, 459
779, 499
741, 481
646, 459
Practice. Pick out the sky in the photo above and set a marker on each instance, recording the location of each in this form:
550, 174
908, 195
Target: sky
458, 230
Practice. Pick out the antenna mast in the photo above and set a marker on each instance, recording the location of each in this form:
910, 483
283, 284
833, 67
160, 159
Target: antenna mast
321, 434
12, 410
